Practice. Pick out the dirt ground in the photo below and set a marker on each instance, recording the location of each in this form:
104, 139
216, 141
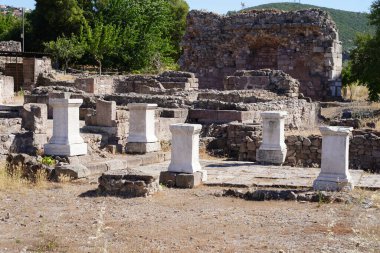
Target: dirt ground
69, 217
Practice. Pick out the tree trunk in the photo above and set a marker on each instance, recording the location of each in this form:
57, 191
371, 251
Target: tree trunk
66, 66
100, 67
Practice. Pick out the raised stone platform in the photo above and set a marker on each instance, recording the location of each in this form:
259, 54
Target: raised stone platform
128, 183
248, 174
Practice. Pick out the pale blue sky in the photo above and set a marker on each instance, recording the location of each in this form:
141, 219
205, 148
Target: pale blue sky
222, 6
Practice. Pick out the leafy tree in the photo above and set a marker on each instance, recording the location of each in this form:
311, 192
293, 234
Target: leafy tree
65, 49
179, 10
127, 34
10, 27
365, 58
54, 18
102, 41
144, 31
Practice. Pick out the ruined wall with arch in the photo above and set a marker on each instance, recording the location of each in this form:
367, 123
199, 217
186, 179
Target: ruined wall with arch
304, 44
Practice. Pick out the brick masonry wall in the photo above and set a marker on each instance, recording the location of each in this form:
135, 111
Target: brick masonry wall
303, 44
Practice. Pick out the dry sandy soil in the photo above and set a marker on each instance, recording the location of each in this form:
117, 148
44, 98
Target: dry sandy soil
69, 217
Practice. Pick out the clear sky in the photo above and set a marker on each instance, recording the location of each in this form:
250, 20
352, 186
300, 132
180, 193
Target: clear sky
222, 6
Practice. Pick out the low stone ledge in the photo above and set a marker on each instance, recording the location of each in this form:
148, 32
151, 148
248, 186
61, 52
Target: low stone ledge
289, 195
128, 183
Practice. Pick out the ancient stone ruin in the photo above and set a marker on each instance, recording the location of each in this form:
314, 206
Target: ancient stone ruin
304, 44
250, 79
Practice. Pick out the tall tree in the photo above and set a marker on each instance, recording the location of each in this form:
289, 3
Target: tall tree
178, 12
65, 49
10, 27
102, 41
365, 58
54, 18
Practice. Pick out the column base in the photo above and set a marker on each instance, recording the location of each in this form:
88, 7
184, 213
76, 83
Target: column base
65, 150
183, 180
142, 147
271, 156
332, 186
324, 184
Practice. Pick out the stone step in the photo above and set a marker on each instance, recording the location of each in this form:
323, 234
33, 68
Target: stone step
13, 108
9, 114
129, 161
175, 79
176, 85
103, 166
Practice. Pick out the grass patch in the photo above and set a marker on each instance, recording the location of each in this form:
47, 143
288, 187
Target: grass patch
15, 180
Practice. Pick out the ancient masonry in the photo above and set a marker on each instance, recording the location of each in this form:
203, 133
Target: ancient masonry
304, 44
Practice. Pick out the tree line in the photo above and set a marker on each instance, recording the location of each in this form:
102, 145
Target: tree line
128, 35
364, 65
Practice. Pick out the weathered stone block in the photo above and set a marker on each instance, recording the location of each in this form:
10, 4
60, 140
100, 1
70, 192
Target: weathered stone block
142, 148
73, 171
34, 118
128, 183
168, 178
105, 113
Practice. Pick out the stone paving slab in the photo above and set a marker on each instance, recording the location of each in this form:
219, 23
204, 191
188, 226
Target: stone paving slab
248, 174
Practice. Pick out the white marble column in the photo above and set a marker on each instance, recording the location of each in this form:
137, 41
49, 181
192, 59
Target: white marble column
334, 174
185, 148
66, 140
273, 148
142, 138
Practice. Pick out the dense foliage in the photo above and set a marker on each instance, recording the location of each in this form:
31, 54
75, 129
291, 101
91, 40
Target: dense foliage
365, 58
349, 23
128, 35
10, 27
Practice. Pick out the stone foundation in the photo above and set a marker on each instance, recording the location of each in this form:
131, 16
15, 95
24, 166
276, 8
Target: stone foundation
128, 183
183, 180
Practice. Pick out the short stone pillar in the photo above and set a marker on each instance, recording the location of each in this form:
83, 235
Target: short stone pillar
273, 148
334, 174
66, 140
34, 120
142, 137
184, 170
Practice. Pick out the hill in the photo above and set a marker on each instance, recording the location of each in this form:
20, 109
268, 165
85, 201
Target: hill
349, 23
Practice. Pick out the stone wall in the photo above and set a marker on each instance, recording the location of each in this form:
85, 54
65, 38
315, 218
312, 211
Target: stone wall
150, 84
6, 89
11, 46
265, 79
15, 70
241, 141
165, 101
143, 84
304, 44
32, 68
301, 113
96, 85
